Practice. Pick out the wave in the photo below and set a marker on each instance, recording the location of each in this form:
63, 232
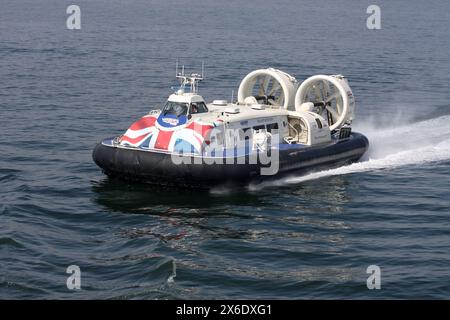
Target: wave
413, 144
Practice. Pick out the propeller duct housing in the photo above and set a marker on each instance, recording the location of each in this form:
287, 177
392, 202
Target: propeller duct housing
331, 96
270, 87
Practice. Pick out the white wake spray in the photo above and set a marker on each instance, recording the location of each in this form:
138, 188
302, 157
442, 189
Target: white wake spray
412, 144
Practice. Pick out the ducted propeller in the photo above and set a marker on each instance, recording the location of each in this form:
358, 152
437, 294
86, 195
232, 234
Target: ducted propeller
269, 87
331, 96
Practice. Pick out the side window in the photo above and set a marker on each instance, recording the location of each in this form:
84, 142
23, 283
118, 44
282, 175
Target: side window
259, 127
198, 107
245, 133
272, 126
193, 108
217, 138
202, 107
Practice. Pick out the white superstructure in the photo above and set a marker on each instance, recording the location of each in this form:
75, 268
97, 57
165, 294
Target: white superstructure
271, 104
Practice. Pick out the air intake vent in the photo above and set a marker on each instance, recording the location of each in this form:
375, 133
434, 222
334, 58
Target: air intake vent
232, 110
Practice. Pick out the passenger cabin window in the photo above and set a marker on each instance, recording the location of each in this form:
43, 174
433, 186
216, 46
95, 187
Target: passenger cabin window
175, 108
217, 138
245, 134
259, 127
272, 126
198, 107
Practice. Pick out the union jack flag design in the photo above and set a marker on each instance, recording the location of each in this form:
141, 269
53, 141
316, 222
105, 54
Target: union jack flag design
188, 138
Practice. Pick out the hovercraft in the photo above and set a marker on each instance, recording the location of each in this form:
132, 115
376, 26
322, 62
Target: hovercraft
276, 127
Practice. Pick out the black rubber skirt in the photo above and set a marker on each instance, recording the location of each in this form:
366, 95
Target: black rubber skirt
191, 171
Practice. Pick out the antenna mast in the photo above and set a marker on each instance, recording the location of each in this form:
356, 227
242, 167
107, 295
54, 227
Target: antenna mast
192, 80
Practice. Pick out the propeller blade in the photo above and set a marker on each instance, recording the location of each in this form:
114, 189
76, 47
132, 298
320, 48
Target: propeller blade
271, 102
333, 96
261, 87
317, 92
266, 84
333, 112
325, 89
275, 87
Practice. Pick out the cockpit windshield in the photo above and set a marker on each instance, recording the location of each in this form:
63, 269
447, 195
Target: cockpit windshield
175, 108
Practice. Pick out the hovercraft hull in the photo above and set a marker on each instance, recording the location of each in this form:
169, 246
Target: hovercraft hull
159, 168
